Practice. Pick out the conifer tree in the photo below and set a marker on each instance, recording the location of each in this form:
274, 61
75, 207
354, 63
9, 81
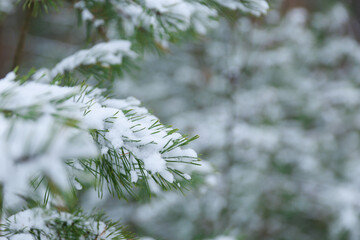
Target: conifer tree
61, 130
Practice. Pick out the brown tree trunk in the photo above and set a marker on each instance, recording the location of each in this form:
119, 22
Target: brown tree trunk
354, 6
22, 37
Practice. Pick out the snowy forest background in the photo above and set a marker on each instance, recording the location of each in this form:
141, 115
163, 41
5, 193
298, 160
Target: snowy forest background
273, 96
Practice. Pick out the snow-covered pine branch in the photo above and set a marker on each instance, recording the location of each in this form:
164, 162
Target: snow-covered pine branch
38, 134
159, 21
105, 55
134, 144
57, 125
46, 224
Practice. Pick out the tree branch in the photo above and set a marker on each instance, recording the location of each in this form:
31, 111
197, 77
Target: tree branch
21, 42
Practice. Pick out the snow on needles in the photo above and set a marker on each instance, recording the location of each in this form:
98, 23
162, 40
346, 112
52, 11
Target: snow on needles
162, 18
33, 141
40, 98
38, 135
50, 224
138, 137
105, 54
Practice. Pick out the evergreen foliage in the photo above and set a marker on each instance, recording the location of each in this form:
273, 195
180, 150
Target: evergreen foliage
276, 104
61, 131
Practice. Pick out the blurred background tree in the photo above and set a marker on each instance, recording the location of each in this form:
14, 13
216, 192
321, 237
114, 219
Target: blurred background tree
276, 104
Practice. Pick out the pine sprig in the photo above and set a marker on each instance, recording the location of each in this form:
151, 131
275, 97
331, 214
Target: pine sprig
39, 223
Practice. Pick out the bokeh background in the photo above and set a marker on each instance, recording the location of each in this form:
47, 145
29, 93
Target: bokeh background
276, 103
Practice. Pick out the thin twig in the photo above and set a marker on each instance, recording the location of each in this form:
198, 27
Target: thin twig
21, 43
